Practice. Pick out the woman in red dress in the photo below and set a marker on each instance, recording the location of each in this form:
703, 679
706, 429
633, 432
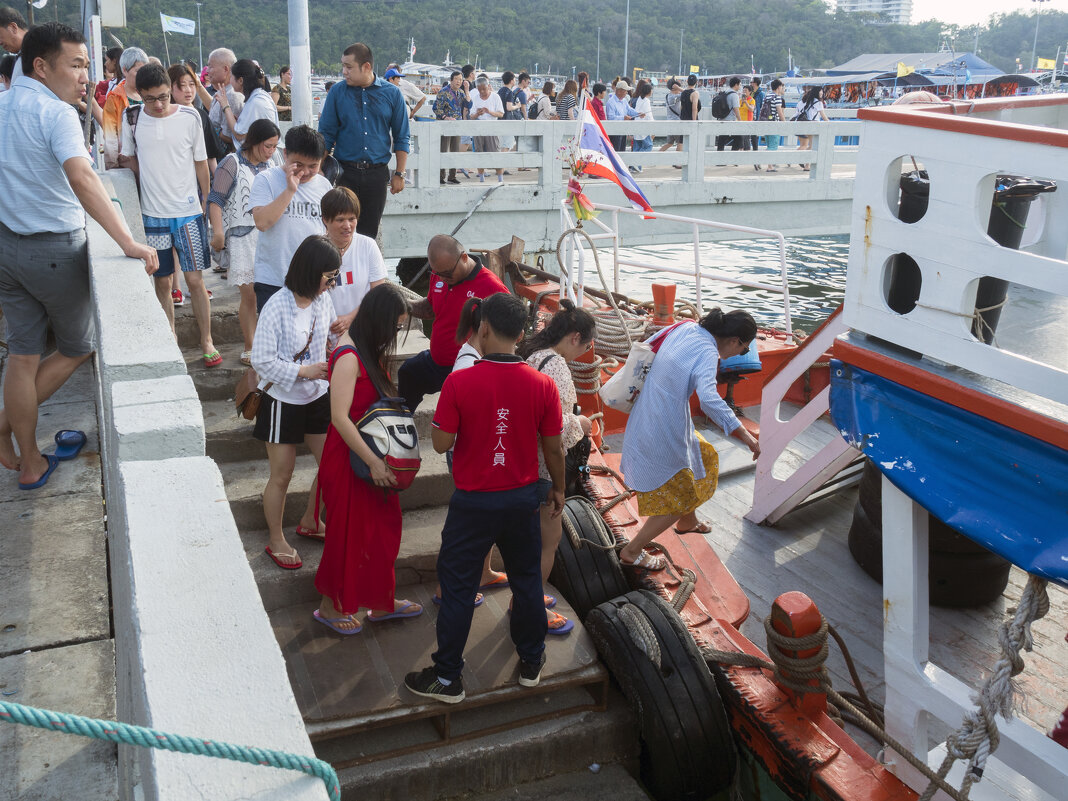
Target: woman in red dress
363, 526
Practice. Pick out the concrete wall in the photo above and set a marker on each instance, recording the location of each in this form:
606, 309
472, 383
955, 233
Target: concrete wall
796, 203
195, 653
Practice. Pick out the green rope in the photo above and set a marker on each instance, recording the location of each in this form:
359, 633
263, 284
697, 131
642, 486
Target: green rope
150, 738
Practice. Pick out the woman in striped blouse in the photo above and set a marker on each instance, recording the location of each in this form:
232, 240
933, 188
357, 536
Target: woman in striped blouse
664, 458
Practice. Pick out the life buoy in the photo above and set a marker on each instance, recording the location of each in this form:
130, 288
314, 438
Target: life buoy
687, 751
586, 576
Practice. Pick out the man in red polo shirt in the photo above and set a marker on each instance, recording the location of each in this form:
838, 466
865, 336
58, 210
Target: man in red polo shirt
455, 276
494, 413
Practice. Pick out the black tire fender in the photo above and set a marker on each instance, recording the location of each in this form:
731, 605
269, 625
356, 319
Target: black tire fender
688, 751
586, 576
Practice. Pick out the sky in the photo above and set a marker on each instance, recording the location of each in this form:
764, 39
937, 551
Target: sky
970, 12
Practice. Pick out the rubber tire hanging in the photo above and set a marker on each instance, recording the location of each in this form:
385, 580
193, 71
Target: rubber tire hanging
687, 749
585, 576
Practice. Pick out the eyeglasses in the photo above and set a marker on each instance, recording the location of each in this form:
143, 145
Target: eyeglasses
156, 99
448, 273
332, 277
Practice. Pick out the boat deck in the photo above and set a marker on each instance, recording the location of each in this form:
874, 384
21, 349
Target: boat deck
807, 551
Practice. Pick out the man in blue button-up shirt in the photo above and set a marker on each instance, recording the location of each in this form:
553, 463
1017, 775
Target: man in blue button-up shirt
364, 121
618, 107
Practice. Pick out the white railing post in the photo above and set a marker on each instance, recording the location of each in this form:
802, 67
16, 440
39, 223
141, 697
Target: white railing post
788, 323
697, 263
615, 251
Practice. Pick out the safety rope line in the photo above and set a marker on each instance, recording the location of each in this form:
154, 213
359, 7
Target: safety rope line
978, 321
127, 734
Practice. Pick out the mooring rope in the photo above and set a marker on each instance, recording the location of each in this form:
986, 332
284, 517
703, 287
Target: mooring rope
127, 734
975, 740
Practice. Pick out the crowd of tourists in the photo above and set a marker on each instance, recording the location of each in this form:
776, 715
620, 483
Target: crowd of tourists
220, 184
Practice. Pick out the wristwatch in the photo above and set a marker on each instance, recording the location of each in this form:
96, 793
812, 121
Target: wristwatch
398, 173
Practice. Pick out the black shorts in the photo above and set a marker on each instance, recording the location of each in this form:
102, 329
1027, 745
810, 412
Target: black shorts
288, 423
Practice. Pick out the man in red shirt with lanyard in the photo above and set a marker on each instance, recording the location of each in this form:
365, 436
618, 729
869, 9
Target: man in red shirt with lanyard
494, 413
455, 276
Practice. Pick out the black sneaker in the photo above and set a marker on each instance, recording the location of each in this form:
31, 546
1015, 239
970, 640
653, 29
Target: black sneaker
426, 684
530, 672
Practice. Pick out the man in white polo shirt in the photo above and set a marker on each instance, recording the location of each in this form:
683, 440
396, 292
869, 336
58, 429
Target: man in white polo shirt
47, 184
163, 143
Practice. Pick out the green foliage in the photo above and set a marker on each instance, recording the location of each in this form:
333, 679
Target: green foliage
718, 35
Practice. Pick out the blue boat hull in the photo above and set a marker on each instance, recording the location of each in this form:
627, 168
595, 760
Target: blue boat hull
1004, 489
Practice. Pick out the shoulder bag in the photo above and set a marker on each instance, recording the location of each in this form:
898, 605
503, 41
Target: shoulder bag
247, 395
621, 391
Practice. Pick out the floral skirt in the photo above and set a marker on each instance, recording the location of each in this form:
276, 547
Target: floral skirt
682, 493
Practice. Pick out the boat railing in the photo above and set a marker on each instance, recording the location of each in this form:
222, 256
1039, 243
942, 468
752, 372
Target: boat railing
773, 497
573, 265
920, 285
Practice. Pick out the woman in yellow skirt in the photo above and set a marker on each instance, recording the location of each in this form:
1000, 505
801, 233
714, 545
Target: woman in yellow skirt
673, 469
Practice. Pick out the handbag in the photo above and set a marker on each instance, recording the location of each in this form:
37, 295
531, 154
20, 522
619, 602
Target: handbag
621, 391
248, 396
388, 429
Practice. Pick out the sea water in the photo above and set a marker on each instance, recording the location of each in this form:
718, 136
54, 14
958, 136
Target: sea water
815, 267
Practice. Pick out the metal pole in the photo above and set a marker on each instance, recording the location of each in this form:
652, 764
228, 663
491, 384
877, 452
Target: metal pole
300, 61
200, 37
681, 32
626, 40
29, 16
598, 71
1038, 17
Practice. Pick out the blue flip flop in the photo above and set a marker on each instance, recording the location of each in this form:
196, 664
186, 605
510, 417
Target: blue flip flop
53, 463
408, 610
69, 444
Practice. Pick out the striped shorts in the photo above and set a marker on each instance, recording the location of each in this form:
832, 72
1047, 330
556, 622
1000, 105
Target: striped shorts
187, 235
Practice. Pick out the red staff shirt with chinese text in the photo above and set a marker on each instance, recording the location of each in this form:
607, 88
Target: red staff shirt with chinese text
447, 302
497, 409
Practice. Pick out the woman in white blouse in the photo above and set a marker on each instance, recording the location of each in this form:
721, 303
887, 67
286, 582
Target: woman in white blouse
289, 356
567, 336
247, 78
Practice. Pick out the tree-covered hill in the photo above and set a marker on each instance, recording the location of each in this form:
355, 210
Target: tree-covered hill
718, 35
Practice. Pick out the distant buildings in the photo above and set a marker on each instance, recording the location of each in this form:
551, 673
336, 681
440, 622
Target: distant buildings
896, 11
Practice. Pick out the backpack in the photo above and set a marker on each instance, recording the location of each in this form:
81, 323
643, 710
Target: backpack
532, 110
133, 114
721, 108
802, 113
766, 110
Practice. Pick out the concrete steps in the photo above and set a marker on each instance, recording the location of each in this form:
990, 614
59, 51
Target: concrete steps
545, 759
416, 563
245, 481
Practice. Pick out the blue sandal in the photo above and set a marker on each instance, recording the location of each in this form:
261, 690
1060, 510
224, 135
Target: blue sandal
53, 463
69, 444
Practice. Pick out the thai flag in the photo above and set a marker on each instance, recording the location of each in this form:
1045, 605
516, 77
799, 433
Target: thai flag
599, 158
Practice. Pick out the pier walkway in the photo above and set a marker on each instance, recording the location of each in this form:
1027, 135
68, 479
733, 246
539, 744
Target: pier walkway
57, 650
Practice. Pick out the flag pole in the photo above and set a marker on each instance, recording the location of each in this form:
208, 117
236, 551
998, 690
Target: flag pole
166, 47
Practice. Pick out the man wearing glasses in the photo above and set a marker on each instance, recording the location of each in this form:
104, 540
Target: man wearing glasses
455, 276
164, 144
